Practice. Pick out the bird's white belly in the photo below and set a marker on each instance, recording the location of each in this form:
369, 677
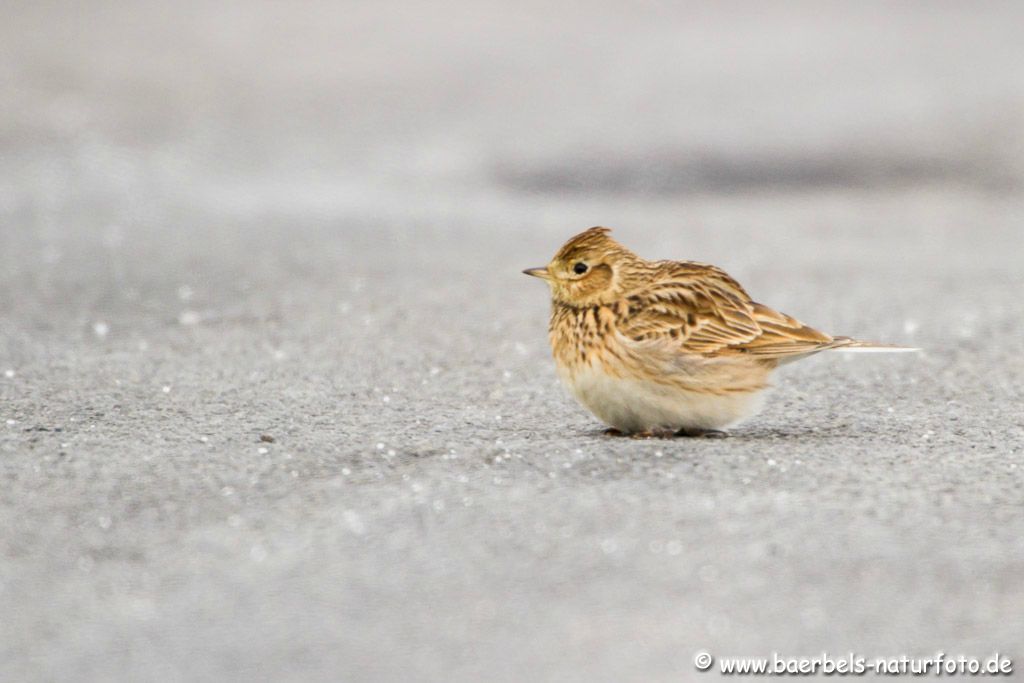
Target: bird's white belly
635, 405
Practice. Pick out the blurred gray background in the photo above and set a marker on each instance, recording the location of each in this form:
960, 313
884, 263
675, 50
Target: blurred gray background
306, 221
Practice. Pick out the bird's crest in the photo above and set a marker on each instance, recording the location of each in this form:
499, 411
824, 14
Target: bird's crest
588, 239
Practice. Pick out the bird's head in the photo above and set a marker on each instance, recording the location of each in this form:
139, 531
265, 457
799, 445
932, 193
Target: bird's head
591, 268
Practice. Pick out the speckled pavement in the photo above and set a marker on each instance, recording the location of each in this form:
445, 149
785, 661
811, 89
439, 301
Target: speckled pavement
276, 402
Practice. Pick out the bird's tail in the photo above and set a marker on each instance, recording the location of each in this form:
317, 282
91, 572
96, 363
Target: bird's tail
850, 345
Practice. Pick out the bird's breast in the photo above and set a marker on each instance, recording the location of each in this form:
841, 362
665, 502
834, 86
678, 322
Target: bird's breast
583, 338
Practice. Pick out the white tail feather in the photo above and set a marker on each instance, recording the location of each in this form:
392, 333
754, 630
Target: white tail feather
848, 345
876, 349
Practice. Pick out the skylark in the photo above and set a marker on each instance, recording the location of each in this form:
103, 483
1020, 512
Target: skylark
659, 348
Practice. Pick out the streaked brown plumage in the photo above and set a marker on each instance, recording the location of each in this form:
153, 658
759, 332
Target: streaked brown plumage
665, 346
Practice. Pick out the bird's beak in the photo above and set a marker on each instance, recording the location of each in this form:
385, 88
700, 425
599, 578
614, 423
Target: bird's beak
542, 273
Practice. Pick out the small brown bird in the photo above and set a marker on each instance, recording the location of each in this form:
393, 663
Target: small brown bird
660, 348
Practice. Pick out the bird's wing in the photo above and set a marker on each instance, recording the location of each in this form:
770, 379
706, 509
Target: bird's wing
699, 309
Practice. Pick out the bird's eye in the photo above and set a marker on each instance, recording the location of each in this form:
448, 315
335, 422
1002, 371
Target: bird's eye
580, 268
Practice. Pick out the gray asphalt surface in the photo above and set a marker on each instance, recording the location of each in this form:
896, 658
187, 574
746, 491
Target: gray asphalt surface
224, 221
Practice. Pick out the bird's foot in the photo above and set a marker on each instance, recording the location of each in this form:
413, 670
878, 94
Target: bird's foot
653, 434
612, 431
703, 433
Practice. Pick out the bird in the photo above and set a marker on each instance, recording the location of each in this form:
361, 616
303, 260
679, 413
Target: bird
667, 348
